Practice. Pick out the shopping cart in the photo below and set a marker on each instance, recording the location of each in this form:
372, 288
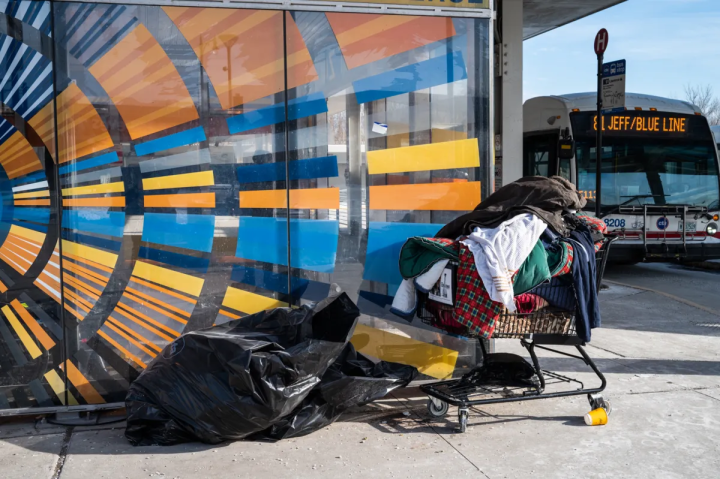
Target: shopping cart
537, 330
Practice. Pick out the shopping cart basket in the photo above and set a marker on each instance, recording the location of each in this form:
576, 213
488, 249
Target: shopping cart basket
549, 326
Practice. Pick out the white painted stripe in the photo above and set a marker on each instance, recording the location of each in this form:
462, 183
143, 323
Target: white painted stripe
12, 66
31, 186
8, 260
47, 93
42, 15
20, 15
19, 82
54, 293
45, 73
52, 276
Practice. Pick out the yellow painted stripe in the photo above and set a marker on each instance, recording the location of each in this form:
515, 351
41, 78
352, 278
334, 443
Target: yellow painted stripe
171, 279
319, 198
22, 333
34, 326
32, 194
58, 385
435, 156
185, 200
437, 196
82, 384
29, 234
429, 359
249, 303
117, 187
203, 178
89, 253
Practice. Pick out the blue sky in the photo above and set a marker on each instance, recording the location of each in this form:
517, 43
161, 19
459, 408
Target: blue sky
667, 44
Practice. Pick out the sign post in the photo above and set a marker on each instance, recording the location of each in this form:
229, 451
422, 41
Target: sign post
601, 43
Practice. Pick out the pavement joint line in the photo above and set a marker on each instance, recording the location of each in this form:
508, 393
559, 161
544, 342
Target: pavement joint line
697, 390
62, 455
607, 350
667, 295
419, 419
700, 391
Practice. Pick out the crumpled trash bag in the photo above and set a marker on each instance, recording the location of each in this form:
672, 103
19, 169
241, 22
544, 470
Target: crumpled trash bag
353, 380
246, 376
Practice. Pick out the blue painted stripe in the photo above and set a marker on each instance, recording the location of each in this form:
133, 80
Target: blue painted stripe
105, 159
39, 215
95, 220
383, 248
32, 226
31, 178
324, 167
270, 280
111, 42
418, 76
194, 232
80, 238
194, 135
313, 243
301, 107
193, 263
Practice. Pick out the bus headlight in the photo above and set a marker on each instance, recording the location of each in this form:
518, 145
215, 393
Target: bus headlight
711, 229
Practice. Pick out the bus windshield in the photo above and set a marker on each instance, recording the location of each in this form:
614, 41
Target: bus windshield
651, 166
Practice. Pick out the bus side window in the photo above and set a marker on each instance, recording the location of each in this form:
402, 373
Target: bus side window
540, 155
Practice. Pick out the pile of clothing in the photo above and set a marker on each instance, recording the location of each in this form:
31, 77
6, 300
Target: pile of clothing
523, 249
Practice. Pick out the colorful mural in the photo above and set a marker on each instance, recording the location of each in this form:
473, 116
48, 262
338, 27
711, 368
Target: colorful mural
180, 167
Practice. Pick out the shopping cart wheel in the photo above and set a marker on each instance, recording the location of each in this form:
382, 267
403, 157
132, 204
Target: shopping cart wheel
463, 419
598, 401
437, 408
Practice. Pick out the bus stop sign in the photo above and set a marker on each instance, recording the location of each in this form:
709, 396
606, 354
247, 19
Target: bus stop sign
601, 42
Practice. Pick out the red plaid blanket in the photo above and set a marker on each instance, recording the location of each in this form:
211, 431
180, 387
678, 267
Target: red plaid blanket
473, 307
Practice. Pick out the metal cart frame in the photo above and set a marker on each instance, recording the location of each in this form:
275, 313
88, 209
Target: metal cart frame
471, 390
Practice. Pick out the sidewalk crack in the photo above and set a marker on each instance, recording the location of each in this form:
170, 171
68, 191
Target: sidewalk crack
57, 471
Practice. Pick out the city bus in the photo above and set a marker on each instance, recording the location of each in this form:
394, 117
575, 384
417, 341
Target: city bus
659, 166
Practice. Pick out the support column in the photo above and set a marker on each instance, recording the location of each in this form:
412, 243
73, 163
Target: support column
512, 90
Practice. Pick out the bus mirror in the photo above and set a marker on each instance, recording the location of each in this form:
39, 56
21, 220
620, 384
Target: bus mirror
566, 148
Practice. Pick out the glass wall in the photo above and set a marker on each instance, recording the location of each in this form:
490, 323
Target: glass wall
180, 167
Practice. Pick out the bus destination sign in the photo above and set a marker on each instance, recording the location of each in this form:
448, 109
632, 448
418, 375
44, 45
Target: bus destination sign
643, 124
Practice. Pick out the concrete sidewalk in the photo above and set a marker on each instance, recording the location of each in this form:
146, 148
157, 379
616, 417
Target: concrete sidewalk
661, 359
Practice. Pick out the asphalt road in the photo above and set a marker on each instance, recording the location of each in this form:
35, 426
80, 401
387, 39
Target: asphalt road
689, 284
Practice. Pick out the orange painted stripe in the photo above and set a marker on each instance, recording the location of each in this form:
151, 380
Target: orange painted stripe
154, 308
83, 287
121, 349
135, 320
44, 288
32, 202
69, 302
3, 288
32, 323
107, 201
122, 333
131, 331
157, 301
12, 262
147, 318
9, 248
74, 267
23, 243
80, 271
185, 200
163, 290
82, 384
365, 38
78, 300
319, 198
437, 196
229, 315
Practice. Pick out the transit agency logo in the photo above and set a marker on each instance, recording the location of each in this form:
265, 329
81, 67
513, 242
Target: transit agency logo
663, 223
174, 348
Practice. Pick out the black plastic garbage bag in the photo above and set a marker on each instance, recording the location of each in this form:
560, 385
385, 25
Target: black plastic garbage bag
277, 374
232, 380
353, 380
